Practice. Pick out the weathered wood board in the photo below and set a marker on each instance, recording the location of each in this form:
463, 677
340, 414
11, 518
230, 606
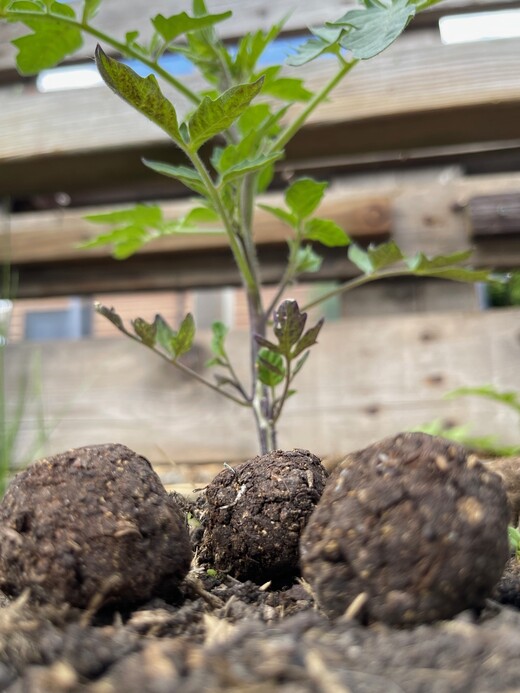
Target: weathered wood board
369, 377
118, 16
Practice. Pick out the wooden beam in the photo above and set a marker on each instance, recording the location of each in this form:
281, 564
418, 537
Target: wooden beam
367, 378
119, 16
417, 94
426, 212
494, 215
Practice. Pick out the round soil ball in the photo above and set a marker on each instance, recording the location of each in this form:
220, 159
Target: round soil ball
255, 514
412, 528
95, 521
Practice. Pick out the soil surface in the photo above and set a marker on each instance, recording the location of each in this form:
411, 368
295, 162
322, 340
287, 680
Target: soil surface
212, 631
227, 635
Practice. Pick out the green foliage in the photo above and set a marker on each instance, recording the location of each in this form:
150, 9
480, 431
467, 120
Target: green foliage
239, 123
514, 541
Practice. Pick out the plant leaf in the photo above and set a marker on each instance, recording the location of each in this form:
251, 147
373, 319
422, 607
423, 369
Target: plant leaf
220, 332
299, 364
146, 331
250, 166
326, 232
90, 9
304, 196
271, 371
143, 215
420, 262
288, 89
510, 398
288, 218
164, 334
307, 260
308, 339
186, 175
262, 341
183, 341
110, 314
360, 258
324, 40
369, 31
176, 25
143, 93
214, 116
51, 40
289, 323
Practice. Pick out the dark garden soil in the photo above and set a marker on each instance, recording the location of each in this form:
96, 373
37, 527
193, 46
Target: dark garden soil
213, 632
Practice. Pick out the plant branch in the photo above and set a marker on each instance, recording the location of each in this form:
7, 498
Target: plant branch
288, 133
123, 48
364, 279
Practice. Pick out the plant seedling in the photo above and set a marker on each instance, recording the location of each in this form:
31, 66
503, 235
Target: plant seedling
245, 111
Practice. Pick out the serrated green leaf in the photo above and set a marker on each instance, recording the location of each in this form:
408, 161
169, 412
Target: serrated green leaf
200, 215
214, 116
251, 119
271, 371
421, 262
146, 331
110, 314
172, 27
183, 340
308, 339
186, 175
288, 89
307, 260
325, 40
360, 258
90, 9
220, 332
143, 94
250, 166
304, 196
384, 254
164, 334
289, 323
368, 32
325, 231
251, 47
125, 241
457, 274
51, 41
288, 218
144, 215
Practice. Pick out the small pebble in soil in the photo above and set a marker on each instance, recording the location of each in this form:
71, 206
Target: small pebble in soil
91, 523
409, 530
254, 514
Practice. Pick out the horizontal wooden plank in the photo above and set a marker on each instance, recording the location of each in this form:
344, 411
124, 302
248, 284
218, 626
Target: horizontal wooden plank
494, 215
367, 378
116, 17
54, 236
418, 93
423, 210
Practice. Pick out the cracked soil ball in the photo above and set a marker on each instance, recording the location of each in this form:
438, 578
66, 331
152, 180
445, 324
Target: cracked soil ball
91, 521
412, 528
255, 514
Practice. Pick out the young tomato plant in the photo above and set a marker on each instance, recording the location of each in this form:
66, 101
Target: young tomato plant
249, 136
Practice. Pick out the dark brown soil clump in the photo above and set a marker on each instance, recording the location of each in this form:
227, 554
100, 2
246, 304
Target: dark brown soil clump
409, 530
255, 514
93, 522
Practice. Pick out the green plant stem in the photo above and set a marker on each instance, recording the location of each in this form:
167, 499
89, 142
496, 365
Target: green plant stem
360, 281
286, 135
240, 258
21, 15
277, 410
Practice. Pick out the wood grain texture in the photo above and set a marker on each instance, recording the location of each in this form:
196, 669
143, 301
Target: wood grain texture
494, 215
369, 377
424, 210
116, 17
414, 79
